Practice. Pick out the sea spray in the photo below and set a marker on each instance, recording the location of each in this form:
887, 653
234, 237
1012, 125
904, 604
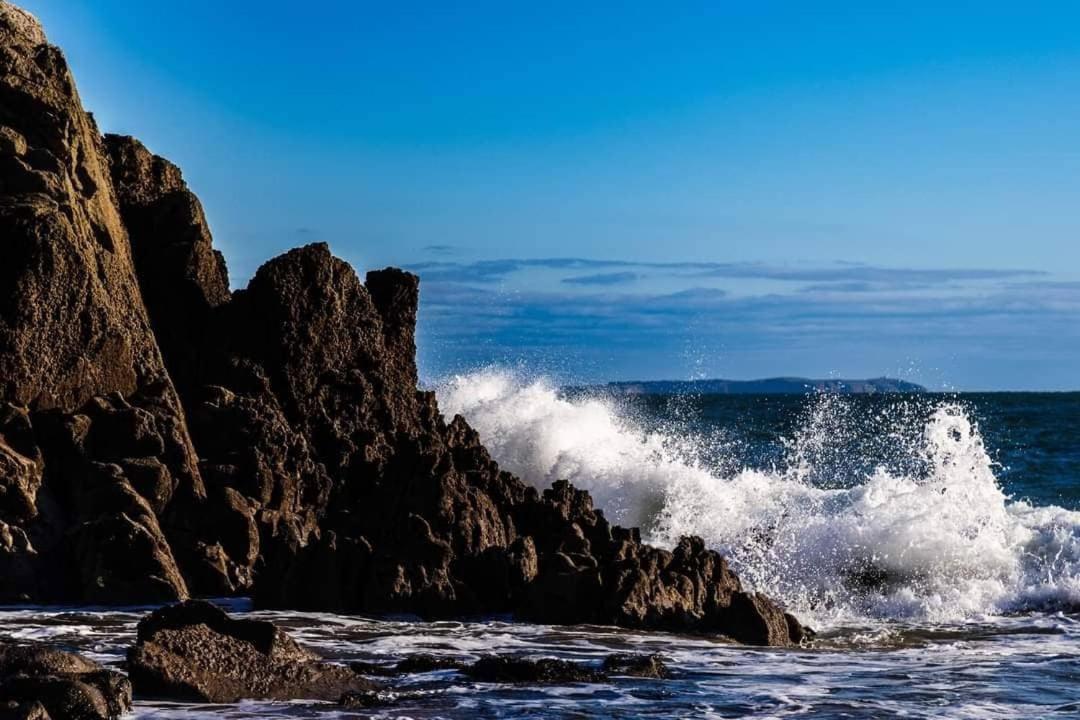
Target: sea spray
909, 524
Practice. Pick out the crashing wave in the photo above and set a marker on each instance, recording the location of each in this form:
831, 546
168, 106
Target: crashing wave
932, 537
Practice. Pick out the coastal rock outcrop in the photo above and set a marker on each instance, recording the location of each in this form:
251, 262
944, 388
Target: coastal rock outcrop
195, 652
39, 683
162, 436
93, 442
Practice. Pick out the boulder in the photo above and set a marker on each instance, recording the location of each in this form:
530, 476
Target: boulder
194, 652
37, 683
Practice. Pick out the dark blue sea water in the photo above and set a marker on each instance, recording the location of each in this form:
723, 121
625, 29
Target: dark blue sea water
1032, 438
933, 542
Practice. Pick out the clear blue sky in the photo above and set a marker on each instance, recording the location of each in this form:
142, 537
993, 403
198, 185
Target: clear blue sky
639, 190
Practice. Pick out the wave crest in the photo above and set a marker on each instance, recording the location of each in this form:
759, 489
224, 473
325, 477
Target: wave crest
928, 536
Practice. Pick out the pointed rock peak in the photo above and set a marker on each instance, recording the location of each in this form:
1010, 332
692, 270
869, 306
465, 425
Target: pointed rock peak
19, 22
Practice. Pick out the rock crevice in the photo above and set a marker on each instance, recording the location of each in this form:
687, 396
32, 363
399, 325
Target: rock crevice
161, 436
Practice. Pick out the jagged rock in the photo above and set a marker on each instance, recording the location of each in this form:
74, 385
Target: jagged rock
324, 481
72, 321
82, 530
181, 276
82, 381
195, 652
37, 683
368, 501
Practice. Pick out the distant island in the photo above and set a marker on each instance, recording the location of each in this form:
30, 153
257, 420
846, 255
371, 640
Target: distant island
776, 386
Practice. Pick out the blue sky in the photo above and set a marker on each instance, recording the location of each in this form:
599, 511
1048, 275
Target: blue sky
639, 190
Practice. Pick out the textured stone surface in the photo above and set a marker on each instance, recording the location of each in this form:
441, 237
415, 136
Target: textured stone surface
181, 276
323, 479
38, 683
72, 322
643, 666
93, 442
497, 669
194, 652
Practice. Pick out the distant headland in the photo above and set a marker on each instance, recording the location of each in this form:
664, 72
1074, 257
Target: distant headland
767, 386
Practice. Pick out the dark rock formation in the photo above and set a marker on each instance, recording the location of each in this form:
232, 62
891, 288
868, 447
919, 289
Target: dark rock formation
181, 276
324, 481
642, 666
499, 669
93, 442
194, 652
38, 683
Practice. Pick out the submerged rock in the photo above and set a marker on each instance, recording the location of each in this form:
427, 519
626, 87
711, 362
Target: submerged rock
38, 683
195, 652
498, 669
642, 666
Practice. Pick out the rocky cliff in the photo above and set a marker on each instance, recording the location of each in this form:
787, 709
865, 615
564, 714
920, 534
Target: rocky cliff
161, 436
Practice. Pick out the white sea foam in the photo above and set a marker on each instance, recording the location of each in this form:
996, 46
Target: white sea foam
942, 543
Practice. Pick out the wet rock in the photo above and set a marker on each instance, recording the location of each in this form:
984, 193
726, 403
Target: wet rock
15, 710
195, 652
643, 666
500, 669
376, 698
361, 667
420, 663
38, 682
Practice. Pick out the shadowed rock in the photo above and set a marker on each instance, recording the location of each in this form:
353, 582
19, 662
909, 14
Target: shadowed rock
498, 669
194, 652
642, 666
181, 276
39, 683
324, 480
93, 443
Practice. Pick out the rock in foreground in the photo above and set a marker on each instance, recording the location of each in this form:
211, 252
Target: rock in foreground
195, 652
39, 683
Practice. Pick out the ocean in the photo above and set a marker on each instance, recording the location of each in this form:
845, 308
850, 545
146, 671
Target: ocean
932, 541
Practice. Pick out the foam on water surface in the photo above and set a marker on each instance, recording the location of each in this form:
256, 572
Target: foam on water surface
936, 594
927, 535
1017, 667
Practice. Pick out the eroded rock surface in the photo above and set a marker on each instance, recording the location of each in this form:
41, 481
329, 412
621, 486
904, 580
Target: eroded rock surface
294, 458
39, 683
93, 442
642, 666
195, 652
